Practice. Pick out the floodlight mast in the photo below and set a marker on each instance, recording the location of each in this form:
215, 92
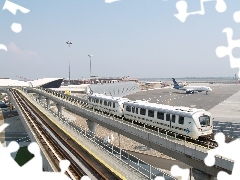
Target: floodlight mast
90, 64
69, 43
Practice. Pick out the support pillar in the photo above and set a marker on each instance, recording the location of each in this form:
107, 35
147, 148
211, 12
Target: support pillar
48, 103
92, 127
59, 107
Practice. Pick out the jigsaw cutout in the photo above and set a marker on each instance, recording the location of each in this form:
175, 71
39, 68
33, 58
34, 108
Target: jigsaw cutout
226, 150
176, 171
182, 7
223, 51
31, 170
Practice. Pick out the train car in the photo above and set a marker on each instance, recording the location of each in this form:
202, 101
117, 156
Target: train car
191, 122
109, 104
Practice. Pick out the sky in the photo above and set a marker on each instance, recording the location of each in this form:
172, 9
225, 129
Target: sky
136, 38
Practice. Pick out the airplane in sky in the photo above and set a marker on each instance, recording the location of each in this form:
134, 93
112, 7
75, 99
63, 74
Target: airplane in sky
190, 89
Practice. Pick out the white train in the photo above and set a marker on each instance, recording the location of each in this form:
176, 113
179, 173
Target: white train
187, 121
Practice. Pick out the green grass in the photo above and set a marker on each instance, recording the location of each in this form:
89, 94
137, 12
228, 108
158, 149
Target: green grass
23, 156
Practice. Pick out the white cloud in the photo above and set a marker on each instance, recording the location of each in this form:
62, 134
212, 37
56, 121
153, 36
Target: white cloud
23, 54
111, 1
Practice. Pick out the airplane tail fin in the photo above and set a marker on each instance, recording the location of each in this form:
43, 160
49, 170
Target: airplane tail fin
175, 82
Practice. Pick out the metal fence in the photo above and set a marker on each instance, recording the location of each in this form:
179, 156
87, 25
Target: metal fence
118, 89
147, 170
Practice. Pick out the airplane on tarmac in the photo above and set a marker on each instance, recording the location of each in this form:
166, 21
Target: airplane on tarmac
190, 89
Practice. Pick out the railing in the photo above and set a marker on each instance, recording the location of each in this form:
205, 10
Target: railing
147, 170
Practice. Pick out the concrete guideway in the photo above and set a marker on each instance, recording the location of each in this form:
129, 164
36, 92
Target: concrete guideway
188, 153
115, 165
34, 138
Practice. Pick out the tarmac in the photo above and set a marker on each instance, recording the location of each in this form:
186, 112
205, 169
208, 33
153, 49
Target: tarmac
14, 132
223, 102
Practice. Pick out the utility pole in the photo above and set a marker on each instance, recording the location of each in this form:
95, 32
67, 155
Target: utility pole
69, 43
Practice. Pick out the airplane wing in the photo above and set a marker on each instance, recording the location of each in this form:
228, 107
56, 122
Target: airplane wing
189, 90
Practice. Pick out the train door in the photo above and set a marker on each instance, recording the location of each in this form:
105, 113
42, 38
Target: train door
168, 121
186, 124
172, 121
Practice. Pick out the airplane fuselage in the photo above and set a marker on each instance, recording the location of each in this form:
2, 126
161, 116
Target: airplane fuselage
191, 89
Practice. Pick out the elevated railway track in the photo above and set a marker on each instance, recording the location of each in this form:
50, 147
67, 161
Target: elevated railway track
171, 144
47, 132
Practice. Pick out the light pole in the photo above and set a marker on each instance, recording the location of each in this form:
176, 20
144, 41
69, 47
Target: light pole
90, 64
69, 43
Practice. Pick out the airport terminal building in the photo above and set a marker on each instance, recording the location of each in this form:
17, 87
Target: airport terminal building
44, 83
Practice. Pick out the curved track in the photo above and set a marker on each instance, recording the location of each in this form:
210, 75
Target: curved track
34, 116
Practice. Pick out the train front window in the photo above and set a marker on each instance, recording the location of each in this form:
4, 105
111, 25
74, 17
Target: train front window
204, 120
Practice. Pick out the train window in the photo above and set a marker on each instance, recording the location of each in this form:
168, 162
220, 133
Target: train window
136, 110
89, 99
150, 113
181, 120
113, 104
100, 101
167, 117
105, 103
173, 118
128, 108
160, 115
97, 100
142, 111
133, 109
204, 120
109, 104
